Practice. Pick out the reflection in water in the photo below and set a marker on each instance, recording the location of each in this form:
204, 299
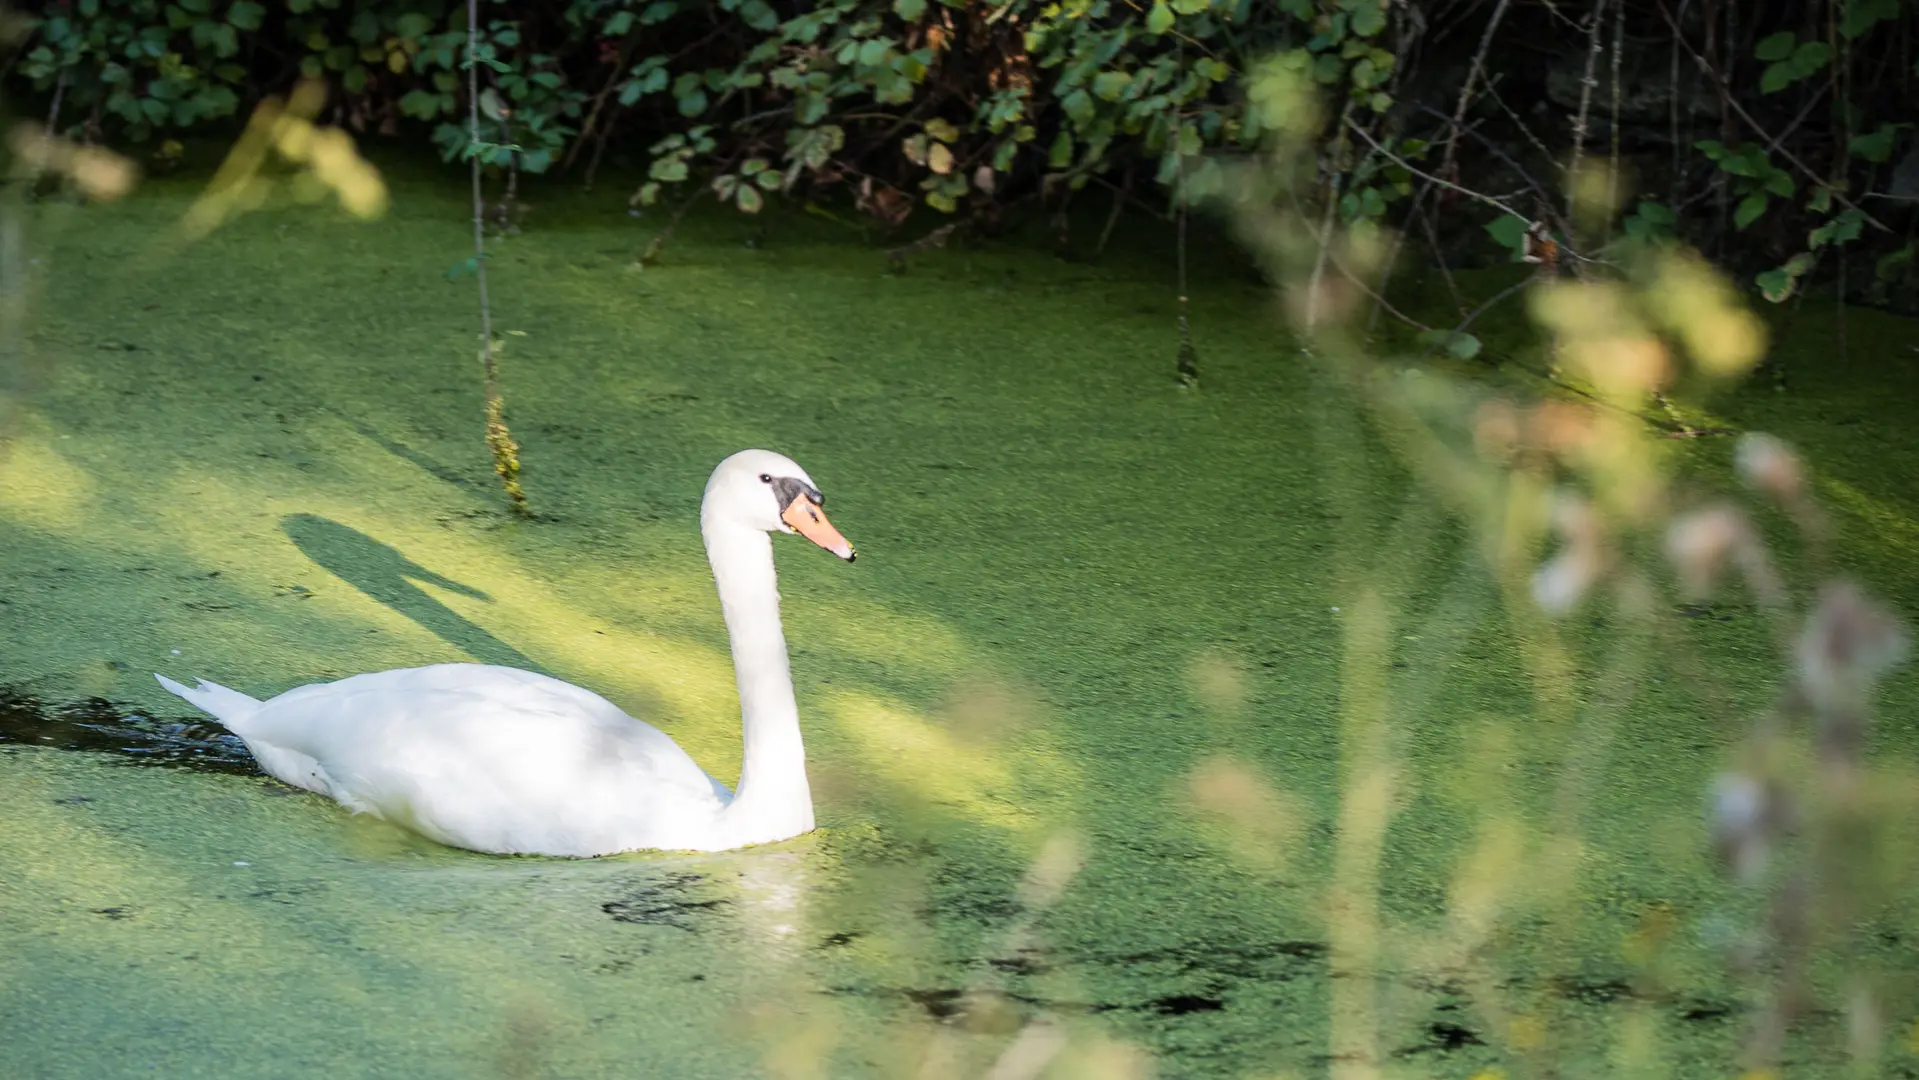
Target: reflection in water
384, 574
772, 894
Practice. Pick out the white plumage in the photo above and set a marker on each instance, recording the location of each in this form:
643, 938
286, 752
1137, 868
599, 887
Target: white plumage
501, 760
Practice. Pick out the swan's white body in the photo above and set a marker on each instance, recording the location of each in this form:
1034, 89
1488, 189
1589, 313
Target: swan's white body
500, 760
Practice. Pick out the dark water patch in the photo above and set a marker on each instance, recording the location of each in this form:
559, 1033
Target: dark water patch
1591, 991
1279, 960
670, 901
103, 726
1443, 1037
1704, 611
980, 1010
1186, 1004
1026, 962
1701, 1010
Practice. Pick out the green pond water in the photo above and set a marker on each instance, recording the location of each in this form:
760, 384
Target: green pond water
257, 459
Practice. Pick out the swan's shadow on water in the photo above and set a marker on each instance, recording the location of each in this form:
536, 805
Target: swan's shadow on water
384, 574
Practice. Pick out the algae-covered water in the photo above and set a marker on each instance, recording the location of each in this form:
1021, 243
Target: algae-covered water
257, 459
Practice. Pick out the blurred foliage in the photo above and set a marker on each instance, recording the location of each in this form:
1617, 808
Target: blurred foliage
1581, 510
958, 106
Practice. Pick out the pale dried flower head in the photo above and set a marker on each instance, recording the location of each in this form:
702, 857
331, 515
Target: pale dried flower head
1848, 643
1495, 430
1745, 816
1691, 300
99, 174
1563, 581
1770, 466
1699, 542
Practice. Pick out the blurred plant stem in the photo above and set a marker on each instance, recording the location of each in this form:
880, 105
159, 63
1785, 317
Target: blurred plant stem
499, 440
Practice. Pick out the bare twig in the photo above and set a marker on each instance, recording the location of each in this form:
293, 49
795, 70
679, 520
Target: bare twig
599, 102
1120, 195
658, 243
1326, 221
1422, 174
1772, 142
1383, 303
1492, 147
1392, 259
1186, 363
506, 453
1612, 159
1492, 91
1466, 91
1586, 85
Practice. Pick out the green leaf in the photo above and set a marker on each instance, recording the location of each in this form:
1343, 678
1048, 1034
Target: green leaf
668, 170
910, 10
759, 15
1079, 106
1109, 85
1876, 147
768, 180
1457, 344
246, 15
1780, 184
1749, 209
1775, 285
466, 267
412, 25
1777, 47
873, 51
420, 104
1777, 77
355, 79
1061, 155
1807, 59
1821, 200
748, 199
491, 106
693, 104
1510, 233
1650, 220
1863, 15
1368, 18
943, 130
1189, 7
1159, 19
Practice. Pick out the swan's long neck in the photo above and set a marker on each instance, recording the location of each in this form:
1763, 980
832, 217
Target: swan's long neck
772, 801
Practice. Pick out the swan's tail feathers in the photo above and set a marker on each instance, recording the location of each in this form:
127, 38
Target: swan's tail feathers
230, 707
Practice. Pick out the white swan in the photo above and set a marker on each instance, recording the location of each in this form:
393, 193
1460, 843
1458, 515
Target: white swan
500, 760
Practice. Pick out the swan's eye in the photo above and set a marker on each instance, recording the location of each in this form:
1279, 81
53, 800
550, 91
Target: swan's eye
766, 478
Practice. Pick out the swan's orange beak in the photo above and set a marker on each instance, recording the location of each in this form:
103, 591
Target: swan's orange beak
806, 518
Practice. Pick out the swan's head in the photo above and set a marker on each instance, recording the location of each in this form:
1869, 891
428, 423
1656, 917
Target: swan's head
763, 490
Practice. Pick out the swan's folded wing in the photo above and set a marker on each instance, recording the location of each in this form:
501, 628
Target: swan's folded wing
483, 756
